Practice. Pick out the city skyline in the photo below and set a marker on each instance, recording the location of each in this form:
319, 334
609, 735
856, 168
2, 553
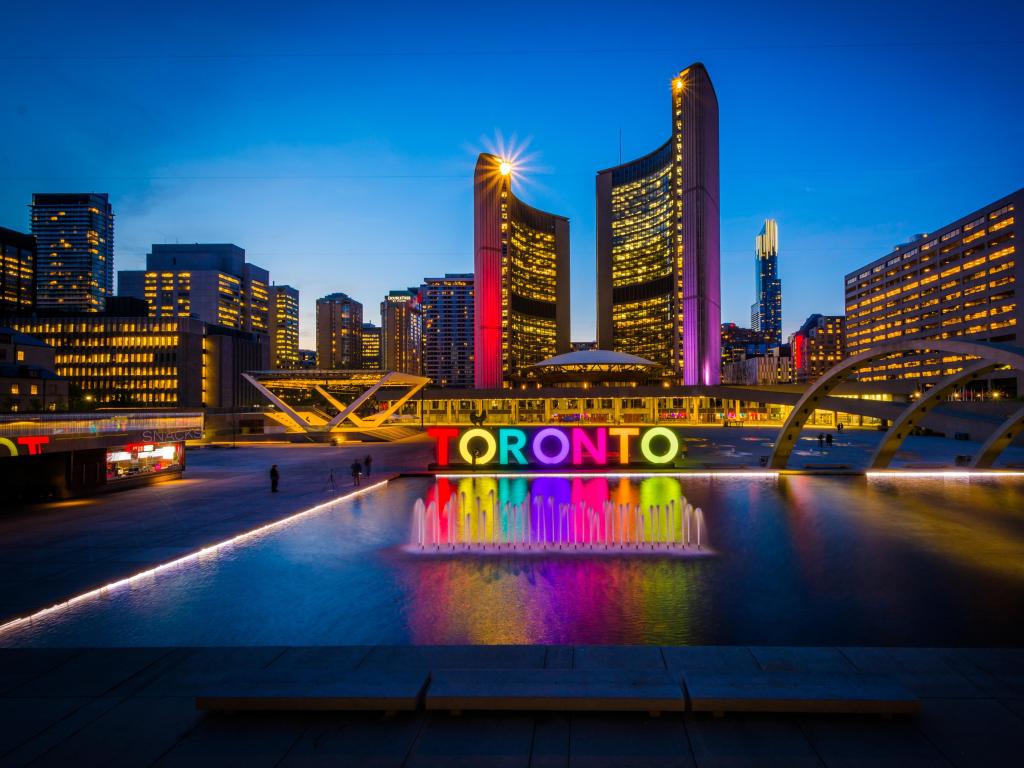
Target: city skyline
316, 194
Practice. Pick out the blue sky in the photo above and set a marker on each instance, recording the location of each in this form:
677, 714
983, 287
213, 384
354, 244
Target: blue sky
335, 142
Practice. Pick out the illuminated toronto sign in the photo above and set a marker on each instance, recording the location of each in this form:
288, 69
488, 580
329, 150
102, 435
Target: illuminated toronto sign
555, 446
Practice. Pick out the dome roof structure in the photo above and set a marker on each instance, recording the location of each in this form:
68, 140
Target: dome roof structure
593, 365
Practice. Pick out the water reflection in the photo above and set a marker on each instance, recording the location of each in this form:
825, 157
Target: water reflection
797, 560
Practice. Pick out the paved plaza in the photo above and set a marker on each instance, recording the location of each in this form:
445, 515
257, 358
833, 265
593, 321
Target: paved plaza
53, 551
136, 707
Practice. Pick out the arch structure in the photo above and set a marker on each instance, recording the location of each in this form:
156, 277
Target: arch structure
336, 387
989, 356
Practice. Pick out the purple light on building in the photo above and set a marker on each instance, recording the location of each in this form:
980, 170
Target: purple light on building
658, 281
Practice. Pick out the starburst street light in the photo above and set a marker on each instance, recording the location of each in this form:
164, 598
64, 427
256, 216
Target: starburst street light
505, 167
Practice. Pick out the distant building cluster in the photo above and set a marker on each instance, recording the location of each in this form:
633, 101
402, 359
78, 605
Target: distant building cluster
181, 331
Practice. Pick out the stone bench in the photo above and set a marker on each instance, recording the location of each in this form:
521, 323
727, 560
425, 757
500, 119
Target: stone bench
577, 690
799, 692
387, 691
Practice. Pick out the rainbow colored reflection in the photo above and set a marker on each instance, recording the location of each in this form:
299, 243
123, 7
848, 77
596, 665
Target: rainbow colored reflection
484, 514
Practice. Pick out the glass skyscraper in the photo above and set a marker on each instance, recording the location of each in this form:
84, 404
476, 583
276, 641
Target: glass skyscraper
658, 291
766, 311
75, 251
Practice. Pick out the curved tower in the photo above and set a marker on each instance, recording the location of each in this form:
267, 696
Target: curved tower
521, 261
658, 286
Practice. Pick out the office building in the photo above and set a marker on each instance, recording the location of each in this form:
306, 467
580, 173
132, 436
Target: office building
307, 358
739, 343
658, 292
28, 378
817, 346
284, 326
17, 271
401, 332
74, 251
448, 329
770, 369
208, 282
372, 360
339, 332
521, 268
766, 311
958, 281
135, 360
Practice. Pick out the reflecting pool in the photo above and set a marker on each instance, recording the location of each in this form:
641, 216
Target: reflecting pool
785, 560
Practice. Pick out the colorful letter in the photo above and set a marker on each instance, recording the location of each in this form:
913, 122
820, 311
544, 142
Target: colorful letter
598, 452
667, 456
538, 446
442, 435
624, 433
487, 456
35, 444
511, 443
9, 446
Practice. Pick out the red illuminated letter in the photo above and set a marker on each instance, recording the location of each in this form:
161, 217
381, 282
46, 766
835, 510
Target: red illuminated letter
442, 436
581, 442
34, 443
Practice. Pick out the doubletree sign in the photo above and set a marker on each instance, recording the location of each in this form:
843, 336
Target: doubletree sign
555, 446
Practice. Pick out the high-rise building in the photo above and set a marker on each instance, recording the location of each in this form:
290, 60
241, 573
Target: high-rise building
74, 250
959, 281
339, 332
521, 267
817, 346
372, 360
766, 311
284, 326
307, 358
401, 332
17, 271
210, 282
448, 329
658, 290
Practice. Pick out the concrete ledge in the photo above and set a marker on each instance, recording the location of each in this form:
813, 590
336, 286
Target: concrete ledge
579, 690
400, 690
798, 692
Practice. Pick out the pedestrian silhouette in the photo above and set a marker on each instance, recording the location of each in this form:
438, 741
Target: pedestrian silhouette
828, 439
357, 469
275, 476
366, 464
821, 441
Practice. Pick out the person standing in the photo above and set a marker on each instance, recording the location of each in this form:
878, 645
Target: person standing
357, 469
366, 464
275, 476
821, 441
828, 439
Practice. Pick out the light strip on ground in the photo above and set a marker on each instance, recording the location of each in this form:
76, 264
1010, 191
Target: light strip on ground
952, 474
185, 559
584, 475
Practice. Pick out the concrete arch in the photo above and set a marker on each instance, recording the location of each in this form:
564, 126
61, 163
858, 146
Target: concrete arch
989, 352
999, 440
905, 423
